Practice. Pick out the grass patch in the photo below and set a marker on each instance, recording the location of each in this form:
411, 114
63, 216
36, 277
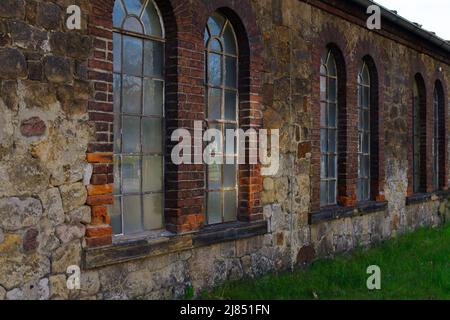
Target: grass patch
413, 266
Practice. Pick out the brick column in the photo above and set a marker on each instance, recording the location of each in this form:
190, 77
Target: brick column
100, 150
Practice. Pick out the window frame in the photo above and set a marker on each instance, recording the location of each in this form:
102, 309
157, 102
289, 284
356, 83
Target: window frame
361, 131
325, 127
143, 37
222, 122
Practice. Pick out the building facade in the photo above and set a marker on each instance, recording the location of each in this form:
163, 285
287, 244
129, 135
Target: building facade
86, 119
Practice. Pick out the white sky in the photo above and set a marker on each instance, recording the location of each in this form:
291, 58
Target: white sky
434, 15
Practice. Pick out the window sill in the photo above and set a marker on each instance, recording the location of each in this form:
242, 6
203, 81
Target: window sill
127, 249
425, 197
340, 212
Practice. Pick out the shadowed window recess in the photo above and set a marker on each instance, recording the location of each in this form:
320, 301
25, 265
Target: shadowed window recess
419, 135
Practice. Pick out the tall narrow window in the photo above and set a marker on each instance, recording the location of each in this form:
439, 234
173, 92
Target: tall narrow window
438, 138
419, 136
328, 129
222, 113
138, 43
363, 186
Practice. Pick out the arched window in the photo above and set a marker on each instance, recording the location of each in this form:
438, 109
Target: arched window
419, 135
221, 79
363, 185
328, 129
138, 44
438, 138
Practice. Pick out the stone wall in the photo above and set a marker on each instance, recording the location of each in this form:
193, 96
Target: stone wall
45, 133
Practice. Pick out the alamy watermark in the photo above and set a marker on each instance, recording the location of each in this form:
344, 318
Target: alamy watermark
374, 281
241, 147
374, 21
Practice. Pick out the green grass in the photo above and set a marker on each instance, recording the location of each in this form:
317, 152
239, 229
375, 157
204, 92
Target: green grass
413, 266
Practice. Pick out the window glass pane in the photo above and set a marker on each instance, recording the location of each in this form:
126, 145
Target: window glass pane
331, 65
230, 207
117, 51
230, 69
332, 115
153, 97
215, 104
153, 58
116, 189
216, 144
323, 193
215, 45
366, 143
214, 207
323, 114
324, 166
324, 140
134, 6
131, 135
151, 21
332, 192
366, 122
131, 172
366, 165
229, 176
323, 88
229, 40
132, 93
332, 166
132, 24
151, 135
365, 78
132, 214
365, 97
230, 105
152, 174
153, 211
132, 56
118, 14
332, 140
116, 216
231, 147
332, 89
215, 23
215, 69
117, 90
214, 176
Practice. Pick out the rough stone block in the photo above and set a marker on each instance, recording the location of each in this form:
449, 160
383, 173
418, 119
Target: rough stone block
13, 64
16, 213
57, 69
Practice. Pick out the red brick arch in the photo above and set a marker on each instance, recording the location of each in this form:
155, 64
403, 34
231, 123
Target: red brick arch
241, 16
332, 38
372, 55
419, 71
441, 84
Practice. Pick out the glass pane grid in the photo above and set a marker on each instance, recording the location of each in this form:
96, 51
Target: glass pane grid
221, 81
138, 126
363, 182
328, 89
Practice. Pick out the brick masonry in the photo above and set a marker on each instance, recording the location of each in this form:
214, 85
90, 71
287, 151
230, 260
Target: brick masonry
56, 134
